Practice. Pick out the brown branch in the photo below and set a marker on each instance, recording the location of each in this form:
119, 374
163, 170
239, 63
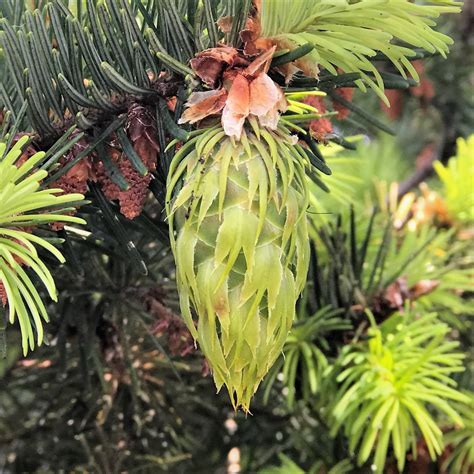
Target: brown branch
423, 171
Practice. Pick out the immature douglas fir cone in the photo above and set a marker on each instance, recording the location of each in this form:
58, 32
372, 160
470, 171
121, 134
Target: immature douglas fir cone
237, 217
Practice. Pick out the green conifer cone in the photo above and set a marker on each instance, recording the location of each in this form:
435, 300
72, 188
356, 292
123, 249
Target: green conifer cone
237, 217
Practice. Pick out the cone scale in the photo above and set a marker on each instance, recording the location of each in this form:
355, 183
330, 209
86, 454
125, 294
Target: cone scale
237, 217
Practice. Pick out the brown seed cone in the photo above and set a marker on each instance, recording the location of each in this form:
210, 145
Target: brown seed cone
141, 130
141, 126
425, 89
396, 99
322, 127
75, 179
347, 94
131, 200
3, 295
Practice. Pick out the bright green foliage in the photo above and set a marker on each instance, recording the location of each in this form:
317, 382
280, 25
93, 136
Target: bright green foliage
24, 203
461, 459
458, 181
242, 249
289, 467
345, 35
416, 255
303, 352
383, 255
343, 183
356, 175
390, 384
